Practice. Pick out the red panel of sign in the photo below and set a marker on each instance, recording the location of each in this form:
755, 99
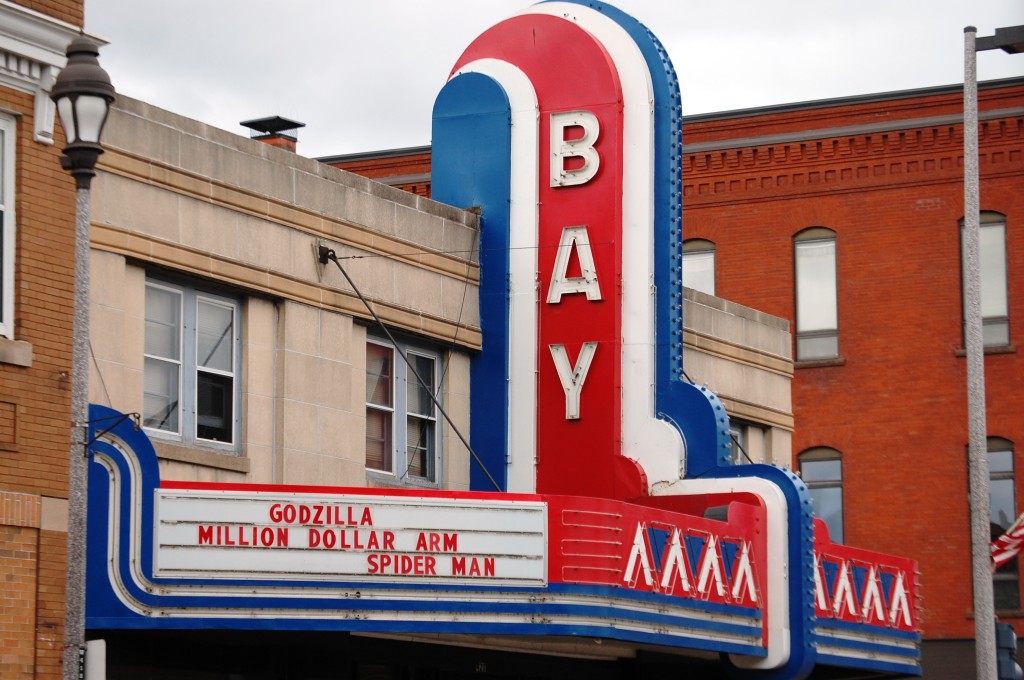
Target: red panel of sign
579, 248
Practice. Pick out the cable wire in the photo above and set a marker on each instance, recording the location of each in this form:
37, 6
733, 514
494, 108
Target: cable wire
326, 254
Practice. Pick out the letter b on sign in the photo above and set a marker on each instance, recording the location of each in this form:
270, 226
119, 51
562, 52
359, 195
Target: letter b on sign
582, 148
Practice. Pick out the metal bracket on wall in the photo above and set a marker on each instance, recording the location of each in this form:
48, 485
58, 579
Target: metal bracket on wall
136, 421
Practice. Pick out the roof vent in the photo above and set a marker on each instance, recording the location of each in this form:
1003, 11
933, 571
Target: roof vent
275, 131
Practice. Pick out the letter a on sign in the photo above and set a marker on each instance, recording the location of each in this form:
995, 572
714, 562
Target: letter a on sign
561, 283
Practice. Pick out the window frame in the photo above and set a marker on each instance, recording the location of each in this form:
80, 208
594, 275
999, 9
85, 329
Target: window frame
805, 338
993, 323
1005, 580
386, 409
400, 415
825, 454
738, 454
8, 223
748, 441
191, 295
699, 248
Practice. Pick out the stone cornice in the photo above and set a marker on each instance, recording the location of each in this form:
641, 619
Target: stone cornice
32, 48
143, 248
137, 168
319, 227
34, 35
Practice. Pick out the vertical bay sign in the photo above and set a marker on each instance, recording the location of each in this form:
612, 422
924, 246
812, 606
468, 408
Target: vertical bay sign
619, 516
563, 124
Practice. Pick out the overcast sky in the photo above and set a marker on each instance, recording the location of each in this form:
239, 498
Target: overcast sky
363, 74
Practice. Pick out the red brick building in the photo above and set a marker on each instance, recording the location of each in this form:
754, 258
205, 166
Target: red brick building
843, 217
37, 218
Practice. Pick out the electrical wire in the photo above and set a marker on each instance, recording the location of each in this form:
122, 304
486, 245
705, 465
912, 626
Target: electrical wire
326, 254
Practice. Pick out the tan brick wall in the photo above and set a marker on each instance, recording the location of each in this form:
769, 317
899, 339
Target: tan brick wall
71, 11
32, 562
34, 418
49, 632
35, 399
19, 563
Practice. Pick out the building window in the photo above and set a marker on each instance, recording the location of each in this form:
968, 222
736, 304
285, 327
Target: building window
995, 316
738, 452
699, 265
817, 314
401, 425
749, 442
7, 226
821, 469
191, 365
1002, 514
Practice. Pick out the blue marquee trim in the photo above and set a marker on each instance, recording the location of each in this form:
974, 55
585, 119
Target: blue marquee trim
454, 627
100, 597
471, 167
123, 462
868, 630
868, 647
912, 668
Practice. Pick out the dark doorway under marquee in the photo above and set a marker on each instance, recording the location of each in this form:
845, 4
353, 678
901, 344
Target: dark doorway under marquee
320, 655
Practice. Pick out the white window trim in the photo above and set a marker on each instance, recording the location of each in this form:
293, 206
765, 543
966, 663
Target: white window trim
821, 454
1004, 574
811, 236
9, 225
188, 383
749, 443
383, 408
700, 249
993, 323
33, 46
400, 413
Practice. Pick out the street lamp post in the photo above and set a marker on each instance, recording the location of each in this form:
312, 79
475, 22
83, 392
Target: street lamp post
83, 95
1009, 40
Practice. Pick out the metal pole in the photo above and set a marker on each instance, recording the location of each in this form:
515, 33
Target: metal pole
74, 615
981, 560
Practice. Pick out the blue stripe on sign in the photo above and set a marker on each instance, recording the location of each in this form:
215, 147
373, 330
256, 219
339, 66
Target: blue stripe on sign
471, 167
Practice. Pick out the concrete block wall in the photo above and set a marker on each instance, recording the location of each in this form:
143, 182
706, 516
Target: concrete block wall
744, 356
175, 197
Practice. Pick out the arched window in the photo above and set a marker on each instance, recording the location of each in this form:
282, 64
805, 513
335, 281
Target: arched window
817, 312
995, 309
699, 265
821, 468
1002, 514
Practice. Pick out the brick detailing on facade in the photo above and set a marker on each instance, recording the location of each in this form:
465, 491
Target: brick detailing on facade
20, 567
20, 510
862, 163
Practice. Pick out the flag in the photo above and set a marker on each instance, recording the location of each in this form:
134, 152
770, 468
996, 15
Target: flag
1006, 547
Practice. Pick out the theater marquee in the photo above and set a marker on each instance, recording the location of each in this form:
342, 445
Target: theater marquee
618, 514
228, 534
